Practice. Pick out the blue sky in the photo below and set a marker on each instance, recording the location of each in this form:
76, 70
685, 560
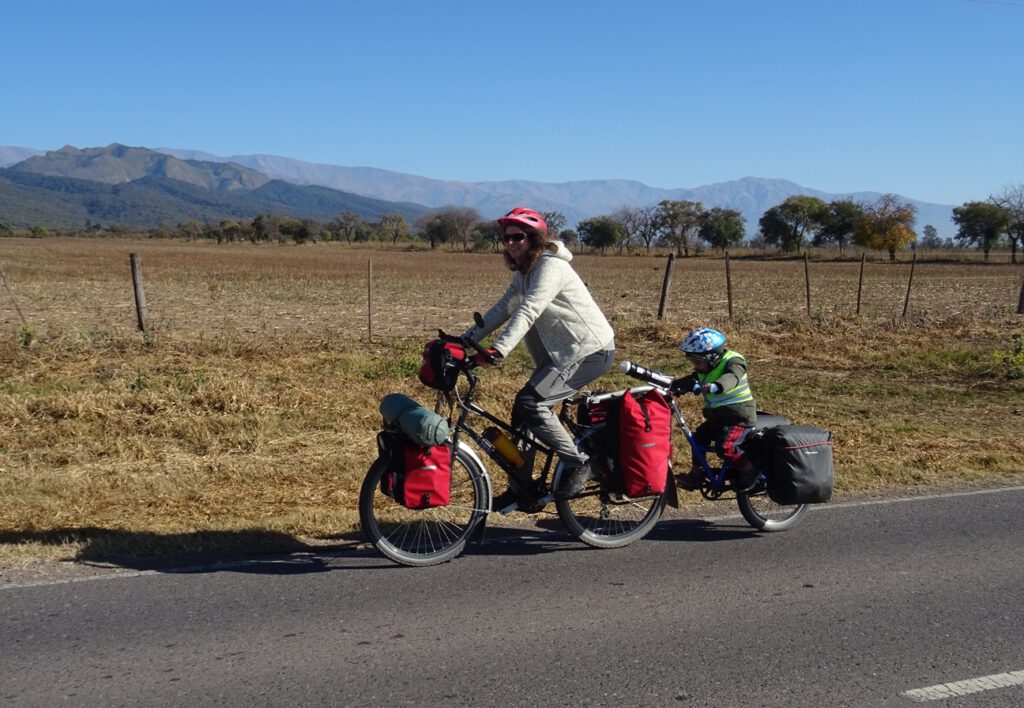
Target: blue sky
924, 98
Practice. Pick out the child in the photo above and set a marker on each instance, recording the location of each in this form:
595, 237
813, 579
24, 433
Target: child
720, 375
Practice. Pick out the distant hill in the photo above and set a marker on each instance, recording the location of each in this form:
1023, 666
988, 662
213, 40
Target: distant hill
140, 187
751, 196
11, 155
261, 177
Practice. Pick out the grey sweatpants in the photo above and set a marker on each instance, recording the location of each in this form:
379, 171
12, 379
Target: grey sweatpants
548, 386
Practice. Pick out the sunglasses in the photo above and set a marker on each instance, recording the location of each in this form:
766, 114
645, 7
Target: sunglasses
514, 238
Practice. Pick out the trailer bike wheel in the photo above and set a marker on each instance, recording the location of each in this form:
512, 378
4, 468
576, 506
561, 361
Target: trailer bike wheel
765, 515
420, 537
608, 520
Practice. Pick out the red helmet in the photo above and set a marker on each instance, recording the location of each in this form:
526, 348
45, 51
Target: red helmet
527, 218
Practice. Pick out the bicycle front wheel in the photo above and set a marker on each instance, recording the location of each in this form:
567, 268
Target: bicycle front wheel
420, 537
606, 520
765, 515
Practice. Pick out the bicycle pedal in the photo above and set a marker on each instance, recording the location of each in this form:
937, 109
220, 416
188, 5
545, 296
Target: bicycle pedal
546, 499
505, 511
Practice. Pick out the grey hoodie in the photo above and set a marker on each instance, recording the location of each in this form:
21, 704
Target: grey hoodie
552, 309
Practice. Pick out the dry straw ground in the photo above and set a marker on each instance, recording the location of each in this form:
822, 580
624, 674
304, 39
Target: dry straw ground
245, 419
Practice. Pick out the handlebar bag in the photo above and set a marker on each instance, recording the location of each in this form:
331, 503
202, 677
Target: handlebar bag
799, 464
418, 476
640, 437
439, 367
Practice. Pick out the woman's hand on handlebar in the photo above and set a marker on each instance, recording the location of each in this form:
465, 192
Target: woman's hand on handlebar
487, 357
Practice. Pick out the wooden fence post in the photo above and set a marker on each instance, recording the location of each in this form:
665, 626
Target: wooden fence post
728, 283
807, 282
665, 286
17, 309
910, 281
140, 294
1020, 300
860, 281
369, 299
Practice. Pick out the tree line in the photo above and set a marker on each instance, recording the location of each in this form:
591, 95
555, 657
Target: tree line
886, 224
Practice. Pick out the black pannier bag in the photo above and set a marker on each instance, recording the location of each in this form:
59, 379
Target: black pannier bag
439, 369
797, 463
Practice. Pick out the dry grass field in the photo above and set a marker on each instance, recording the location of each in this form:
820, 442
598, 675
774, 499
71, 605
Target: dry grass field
245, 418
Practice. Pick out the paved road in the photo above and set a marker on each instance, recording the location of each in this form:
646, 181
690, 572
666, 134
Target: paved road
854, 607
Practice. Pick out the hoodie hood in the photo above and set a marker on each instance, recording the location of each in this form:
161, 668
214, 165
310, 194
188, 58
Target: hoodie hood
561, 251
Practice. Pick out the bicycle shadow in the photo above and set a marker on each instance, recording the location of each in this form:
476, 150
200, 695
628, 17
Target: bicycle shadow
275, 553
699, 531
251, 551
549, 536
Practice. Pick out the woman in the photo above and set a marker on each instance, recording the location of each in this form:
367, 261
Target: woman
548, 306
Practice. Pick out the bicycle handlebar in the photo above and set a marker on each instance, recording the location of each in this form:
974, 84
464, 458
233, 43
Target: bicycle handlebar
465, 341
644, 374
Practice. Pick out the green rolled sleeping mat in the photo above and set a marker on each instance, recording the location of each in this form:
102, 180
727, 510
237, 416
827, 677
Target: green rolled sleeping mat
419, 423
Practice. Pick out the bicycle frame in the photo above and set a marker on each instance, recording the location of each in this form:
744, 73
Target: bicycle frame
467, 406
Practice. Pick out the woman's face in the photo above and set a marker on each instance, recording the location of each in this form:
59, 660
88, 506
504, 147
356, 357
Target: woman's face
517, 243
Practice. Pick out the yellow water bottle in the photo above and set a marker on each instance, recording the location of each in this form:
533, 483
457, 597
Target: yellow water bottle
505, 447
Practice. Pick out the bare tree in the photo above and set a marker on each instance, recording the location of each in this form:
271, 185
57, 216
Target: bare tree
555, 220
393, 227
640, 224
1011, 200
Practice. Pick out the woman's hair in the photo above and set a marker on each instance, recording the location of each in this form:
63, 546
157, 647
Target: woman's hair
538, 244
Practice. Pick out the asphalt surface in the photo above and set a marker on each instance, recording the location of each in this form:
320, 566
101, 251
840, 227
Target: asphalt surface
856, 606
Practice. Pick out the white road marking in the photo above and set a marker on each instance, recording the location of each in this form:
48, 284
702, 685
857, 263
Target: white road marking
965, 687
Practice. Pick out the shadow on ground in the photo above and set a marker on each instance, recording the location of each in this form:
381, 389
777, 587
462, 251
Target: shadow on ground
269, 552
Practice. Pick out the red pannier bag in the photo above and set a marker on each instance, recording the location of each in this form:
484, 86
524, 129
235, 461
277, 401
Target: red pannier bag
439, 369
418, 476
640, 431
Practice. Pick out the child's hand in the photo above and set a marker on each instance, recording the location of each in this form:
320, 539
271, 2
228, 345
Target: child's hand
686, 384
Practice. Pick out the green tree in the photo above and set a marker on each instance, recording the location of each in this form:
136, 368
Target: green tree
788, 225
569, 237
190, 229
453, 225
266, 228
488, 234
886, 225
228, 230
601, 232
1011, 200
292, 228
980, 224
837, 222
678, 223
721, 228
930, 238
434, 228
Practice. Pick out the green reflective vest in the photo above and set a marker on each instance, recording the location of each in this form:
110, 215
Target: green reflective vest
740, 393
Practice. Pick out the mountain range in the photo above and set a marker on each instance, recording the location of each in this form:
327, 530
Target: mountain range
209, 187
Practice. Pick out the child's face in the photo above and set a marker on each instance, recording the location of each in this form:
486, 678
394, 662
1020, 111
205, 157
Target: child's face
699, 363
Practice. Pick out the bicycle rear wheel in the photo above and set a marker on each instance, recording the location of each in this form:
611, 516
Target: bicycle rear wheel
606, 520
765, 515
425, 536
